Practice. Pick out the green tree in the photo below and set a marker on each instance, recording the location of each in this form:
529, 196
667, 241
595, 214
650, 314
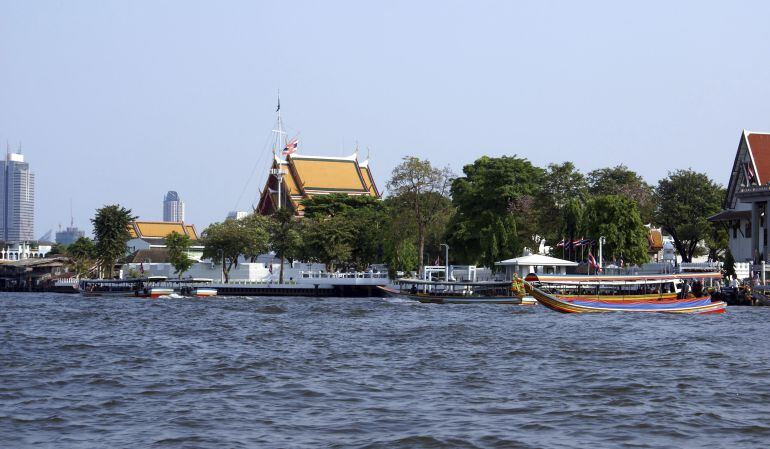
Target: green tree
225, 242
561, 201
111, 224
617, 219
497, 209
82, 252
685, 201
177, 245
285, 237
621, 181
422, 189
728, 268
327, 240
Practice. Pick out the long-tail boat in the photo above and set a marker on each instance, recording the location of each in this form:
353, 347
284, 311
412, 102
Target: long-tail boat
457, 292
699, 305
617, 288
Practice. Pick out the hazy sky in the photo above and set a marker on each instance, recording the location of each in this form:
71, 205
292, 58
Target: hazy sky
118, 102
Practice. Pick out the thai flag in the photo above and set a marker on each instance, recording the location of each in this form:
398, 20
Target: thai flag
592, 261
562, 243
291, 147
578, 242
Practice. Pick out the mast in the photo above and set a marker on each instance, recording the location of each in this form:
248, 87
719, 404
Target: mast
280, 143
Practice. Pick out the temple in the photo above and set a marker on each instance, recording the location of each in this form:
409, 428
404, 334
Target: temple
747, 203
148, 240
300, 177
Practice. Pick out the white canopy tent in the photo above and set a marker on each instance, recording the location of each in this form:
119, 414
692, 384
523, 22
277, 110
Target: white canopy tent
535, 263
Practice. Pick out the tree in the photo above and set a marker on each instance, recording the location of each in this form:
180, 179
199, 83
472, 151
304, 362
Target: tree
423, 189
685, 200
621, 181
728, 268
285, 238
327, 240
111, 224
177, 245
225, 242
82, 252
617, 219
497, 212
563, 195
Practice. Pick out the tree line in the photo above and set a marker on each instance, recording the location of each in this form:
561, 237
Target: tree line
495, 209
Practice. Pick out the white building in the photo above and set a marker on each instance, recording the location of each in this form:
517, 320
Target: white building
237, 214
17, 200
747, 204
173, 207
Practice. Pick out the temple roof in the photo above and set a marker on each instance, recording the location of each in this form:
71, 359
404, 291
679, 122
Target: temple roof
306, 176
751, 166
160, 229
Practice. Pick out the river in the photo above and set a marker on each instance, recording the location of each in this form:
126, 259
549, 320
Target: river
374, 373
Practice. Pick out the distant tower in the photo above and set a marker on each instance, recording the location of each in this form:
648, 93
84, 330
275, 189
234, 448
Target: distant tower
173, 207
17, 199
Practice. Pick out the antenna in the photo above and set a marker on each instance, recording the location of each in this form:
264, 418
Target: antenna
19, 151
367, 153
72, 217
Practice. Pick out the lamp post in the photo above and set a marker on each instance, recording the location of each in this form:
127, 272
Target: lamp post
446, 261
222, 261
601, 261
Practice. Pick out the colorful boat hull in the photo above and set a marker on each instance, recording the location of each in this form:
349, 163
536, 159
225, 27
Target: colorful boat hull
701, 305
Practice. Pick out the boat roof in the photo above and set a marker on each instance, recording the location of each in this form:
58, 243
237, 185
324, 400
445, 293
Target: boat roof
472, 283
607, 279
538, 260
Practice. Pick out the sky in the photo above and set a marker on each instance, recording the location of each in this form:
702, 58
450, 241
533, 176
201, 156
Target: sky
119, 102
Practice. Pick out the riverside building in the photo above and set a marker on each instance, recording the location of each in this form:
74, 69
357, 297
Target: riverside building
746, 210
17, 199
173, 207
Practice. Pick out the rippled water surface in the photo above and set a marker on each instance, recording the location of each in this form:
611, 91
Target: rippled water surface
264, 372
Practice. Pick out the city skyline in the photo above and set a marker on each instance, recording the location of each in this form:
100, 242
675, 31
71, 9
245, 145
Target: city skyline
656, 87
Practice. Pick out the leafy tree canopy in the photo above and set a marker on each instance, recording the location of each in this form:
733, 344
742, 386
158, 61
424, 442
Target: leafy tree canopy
177, 245
225, 242
621, 181
496, 209
111, 225
422, 189
685, 200
617, 219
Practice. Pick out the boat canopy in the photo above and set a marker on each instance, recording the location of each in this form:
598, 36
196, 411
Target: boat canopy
618, 279
411, 281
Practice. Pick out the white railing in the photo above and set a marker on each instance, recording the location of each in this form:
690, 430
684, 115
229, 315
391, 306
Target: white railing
700, 266
355, 275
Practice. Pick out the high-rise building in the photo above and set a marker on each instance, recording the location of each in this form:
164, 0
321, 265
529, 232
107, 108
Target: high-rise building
173, 207
69, 235
17, 199
237, 214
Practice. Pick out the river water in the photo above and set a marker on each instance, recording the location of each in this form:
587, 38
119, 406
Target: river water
374, 373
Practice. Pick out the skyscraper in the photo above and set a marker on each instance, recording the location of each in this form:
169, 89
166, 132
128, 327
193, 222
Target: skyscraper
17, 199
173, 207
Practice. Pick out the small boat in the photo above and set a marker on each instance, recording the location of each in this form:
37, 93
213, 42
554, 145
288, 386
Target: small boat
195, 287
458, 292
700, 305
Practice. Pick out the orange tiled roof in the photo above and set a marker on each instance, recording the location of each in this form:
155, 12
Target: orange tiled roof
161, 229
759, 144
